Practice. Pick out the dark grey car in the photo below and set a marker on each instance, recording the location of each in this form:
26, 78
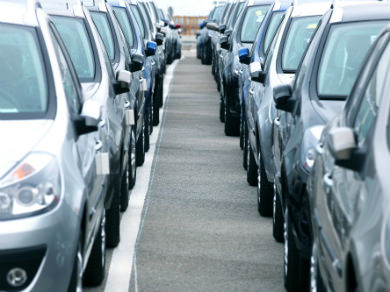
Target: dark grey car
325, 79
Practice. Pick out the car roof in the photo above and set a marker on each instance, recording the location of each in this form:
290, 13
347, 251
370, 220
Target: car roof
21, 12
99, 5
259, 2
310, 9
352, 11
66, 8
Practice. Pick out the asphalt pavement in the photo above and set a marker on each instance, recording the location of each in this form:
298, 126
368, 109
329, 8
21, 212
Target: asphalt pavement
200, 229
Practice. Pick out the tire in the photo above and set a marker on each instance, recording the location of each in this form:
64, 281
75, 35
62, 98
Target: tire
242, 127
231, 124
222, 111
141, 146
316, 282
265, 190
251, 171
132, 165
96, 267
147, 134
76, 280
124, 191
161, 93
278, 219
296, 276
245, 150
156, 104
113, 219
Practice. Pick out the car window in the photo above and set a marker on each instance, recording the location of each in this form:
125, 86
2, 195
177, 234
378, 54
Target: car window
137, 16
101, 21
252, 20
23, 83
344, 52
274, 23
218, 13
299, 35
76, 39
368, 108
124, 22
68, 82
161, 14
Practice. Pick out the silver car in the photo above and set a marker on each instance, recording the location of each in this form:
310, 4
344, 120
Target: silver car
53, 170
99, 82
349, 186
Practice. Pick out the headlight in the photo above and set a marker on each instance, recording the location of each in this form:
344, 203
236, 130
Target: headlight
308, 153
31, 188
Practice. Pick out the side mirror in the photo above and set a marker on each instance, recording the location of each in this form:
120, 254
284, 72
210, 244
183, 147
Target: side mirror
151, 48
166, 22
213, 26
243, 55
89, 119
177, 26
224, 40
202, 24
137, 62
222, 28
122, 83
228, 32
159, 39
343, 147
282, 98
197, 34
257, 73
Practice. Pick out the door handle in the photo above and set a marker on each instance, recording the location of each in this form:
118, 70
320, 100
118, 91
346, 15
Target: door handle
127, 104
251, 91
241, 71
277, 121
99, 145
320, 148
328, 180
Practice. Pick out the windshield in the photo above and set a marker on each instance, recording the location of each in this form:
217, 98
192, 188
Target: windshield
253, 19
345, 50
298, 38
22, 75
124, 22
74, 33
104, 28
276, 20
135, 11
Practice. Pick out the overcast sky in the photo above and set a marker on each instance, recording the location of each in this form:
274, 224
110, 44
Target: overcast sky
187, 7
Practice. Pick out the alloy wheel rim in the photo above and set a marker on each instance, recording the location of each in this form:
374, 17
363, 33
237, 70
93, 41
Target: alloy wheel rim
132, 154
258, 180
103, 237
248, 148
79, 287
143, 136
274, 208
313, 269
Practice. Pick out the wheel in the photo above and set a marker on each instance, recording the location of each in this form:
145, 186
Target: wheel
156, 105
113, 219
76, 281
245, 152
161, 93
251, 170
141, 146
147, 133
124, 191
231, 124
265, 190
96, 267
278, 220
222, 111
316, 283
132, 177
295, 268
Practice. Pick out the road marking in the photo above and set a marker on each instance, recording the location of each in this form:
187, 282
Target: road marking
120, 270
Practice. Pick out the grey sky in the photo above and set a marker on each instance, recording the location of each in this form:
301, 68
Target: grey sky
187, 7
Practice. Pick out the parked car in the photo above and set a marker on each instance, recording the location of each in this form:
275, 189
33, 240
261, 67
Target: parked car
98, 80
173, 50
325, 79
258, 54
53, 166
243, 35
347, 186
121, 58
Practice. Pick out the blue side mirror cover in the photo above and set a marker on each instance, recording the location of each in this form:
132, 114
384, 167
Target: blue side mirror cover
243, 55
151, 48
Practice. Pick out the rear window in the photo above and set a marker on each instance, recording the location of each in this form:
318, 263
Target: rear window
76, 38
23, 84
124, 22
298, 38
104, 28
344, 52
252, 21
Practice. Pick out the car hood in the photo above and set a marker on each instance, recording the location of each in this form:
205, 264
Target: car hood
22, 137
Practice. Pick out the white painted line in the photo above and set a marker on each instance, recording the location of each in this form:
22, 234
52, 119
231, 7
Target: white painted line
119, 273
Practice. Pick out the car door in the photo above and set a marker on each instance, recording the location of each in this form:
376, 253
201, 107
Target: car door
344, 188
88, 146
